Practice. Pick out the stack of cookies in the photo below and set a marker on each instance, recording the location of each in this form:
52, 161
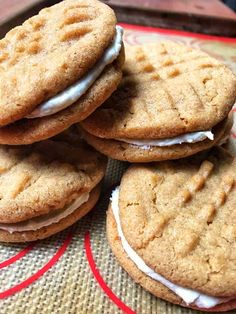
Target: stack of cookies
55, 70
172, 224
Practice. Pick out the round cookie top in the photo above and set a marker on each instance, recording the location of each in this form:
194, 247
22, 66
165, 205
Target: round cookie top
168, 89
40, 178
49, 52
179, 216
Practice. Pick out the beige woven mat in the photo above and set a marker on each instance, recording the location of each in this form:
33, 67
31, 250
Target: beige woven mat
58, 275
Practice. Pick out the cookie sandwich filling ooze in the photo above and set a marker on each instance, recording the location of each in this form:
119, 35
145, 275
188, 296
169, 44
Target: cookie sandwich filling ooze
189, 296
45, 220
70, 95
185, 138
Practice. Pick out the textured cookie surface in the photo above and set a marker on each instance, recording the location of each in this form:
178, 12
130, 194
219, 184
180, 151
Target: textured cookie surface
27, 131
128, 152
167, 89
40, 178
53, 228
179, 217
148, 283
49, 52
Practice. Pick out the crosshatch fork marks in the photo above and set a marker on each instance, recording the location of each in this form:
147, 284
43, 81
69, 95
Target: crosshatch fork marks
196, 183
188, 106
205, 217
185, 236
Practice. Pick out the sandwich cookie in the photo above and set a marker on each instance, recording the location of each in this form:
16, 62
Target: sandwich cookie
173, 102
46, 187
172, 227
57, 68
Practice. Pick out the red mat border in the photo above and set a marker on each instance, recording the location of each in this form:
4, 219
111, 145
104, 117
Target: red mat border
18, 256
30, 280
89, 254
174, 32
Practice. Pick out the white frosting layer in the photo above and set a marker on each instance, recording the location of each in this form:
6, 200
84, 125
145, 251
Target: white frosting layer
45, 220
70, 95
188, 295
185, 138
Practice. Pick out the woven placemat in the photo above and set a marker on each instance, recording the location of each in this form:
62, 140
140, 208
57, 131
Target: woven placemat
75, 271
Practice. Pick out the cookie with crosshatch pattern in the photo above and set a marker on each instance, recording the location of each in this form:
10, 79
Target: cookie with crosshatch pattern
169, 93
48, 54
47, 186
179, 218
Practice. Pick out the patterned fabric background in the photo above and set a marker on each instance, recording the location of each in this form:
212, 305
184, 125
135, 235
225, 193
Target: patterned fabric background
75, 271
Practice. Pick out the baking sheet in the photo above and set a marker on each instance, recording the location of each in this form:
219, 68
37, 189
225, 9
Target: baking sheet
75, 271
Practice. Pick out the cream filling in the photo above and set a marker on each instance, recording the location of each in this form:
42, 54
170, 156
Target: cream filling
189, 296
70, 95
185, 138
45, 220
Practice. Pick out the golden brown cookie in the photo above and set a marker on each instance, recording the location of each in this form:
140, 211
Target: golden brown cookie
168, 90
178, 217
127, 152
27, 131
44, 57
43, 184
44, 232
154, 287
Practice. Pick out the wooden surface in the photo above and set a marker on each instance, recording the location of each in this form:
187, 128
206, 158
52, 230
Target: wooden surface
193, 7
11, 8
203, 16
200, 16
14, 12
